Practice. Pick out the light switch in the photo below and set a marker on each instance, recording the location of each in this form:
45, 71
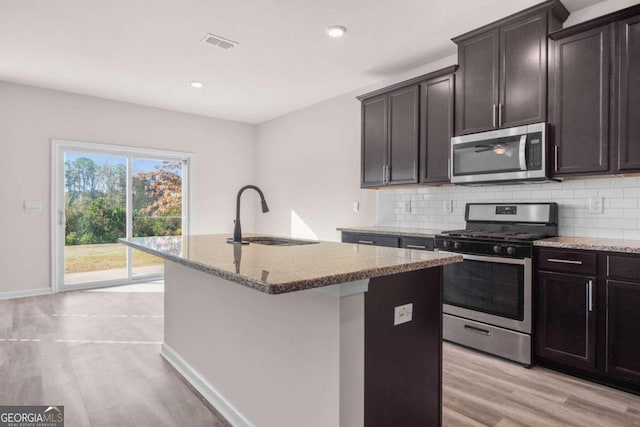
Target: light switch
32, 206
356, 206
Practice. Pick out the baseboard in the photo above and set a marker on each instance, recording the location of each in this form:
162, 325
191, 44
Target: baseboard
26, 293
208, 391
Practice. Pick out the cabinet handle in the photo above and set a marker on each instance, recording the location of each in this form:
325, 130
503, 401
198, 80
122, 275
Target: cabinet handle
564, 261
555, 158
590, 294
416, 247
449, 168
500, 108
384, 174
388, 174
366, 242
478, 330
493, 120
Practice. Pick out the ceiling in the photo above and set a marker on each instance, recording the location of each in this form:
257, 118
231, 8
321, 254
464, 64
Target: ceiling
147, 51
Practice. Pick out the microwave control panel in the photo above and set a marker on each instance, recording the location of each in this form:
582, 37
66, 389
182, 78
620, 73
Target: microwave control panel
534, 151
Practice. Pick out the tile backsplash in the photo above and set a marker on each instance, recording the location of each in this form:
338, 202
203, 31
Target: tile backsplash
424, 207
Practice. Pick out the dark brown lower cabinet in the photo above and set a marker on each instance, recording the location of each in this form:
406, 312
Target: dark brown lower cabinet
623, 329
566, 319
587, 306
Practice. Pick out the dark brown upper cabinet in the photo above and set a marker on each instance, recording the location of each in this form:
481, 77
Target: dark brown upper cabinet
374, 141
406, 129
628, 123
594, 96
390, 138
402, 155
436, 128
502, 79
580, 102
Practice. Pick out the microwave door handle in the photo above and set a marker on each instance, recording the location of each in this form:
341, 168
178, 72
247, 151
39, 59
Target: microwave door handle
522, 152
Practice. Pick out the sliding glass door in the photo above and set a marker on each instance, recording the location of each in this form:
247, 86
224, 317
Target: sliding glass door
103, 193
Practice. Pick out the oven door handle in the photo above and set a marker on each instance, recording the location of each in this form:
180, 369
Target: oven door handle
494, 259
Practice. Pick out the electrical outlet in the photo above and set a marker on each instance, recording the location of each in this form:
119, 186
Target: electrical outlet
595, 205
406, 206
356, 206
402, 314
447, 206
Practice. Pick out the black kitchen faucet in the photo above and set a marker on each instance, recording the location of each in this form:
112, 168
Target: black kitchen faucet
237, 231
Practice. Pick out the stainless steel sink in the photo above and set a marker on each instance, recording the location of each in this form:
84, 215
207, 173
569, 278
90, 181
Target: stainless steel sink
277, 241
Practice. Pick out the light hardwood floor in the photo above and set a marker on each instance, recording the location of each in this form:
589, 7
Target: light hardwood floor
97, 353
479, 390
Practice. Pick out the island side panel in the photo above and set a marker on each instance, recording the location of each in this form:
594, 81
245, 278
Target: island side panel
352, 361
403, 363
275, 358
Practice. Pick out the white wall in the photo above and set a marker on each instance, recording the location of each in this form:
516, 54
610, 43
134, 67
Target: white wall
308, 164
223, 156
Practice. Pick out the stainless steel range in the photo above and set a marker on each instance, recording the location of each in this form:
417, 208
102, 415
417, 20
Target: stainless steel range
487, 297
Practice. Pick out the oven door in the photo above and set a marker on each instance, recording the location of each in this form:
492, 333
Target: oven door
492, 290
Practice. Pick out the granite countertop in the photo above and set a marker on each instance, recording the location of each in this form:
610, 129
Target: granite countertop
393, 231
281, 269
590, 243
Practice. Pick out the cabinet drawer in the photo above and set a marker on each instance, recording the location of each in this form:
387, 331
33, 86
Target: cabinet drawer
424, 243
575, 262
371, 239
623, 267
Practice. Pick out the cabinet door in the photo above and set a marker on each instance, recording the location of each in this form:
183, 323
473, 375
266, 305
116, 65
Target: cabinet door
565, 320
523, 72
580, 87
477, 83
374, 141
403, 135
436, 129
629, 95
623, 329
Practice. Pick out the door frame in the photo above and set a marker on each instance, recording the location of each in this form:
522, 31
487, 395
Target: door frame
59, 147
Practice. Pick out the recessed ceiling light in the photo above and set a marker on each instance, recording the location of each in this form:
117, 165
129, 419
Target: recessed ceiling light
197, 85
336, 31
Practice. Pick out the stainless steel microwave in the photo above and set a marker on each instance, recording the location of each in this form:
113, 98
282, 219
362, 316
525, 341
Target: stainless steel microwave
517, 154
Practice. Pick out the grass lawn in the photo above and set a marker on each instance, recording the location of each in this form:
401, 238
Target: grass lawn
84, 258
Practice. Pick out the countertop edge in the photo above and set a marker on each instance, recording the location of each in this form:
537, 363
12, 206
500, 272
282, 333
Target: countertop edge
406, 233
604, 246
299, 285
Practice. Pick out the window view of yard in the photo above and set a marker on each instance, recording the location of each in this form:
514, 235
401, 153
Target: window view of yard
96, 212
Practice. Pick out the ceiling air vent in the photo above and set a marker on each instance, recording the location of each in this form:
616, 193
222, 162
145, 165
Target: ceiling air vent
218, 41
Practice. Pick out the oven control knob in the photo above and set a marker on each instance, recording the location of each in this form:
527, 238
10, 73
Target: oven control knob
446, 243
511, 250
497, 249
457, 245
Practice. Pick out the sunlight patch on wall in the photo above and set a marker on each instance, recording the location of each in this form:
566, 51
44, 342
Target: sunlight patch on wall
300, 229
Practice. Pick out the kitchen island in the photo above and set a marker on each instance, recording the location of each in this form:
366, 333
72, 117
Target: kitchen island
305, 333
